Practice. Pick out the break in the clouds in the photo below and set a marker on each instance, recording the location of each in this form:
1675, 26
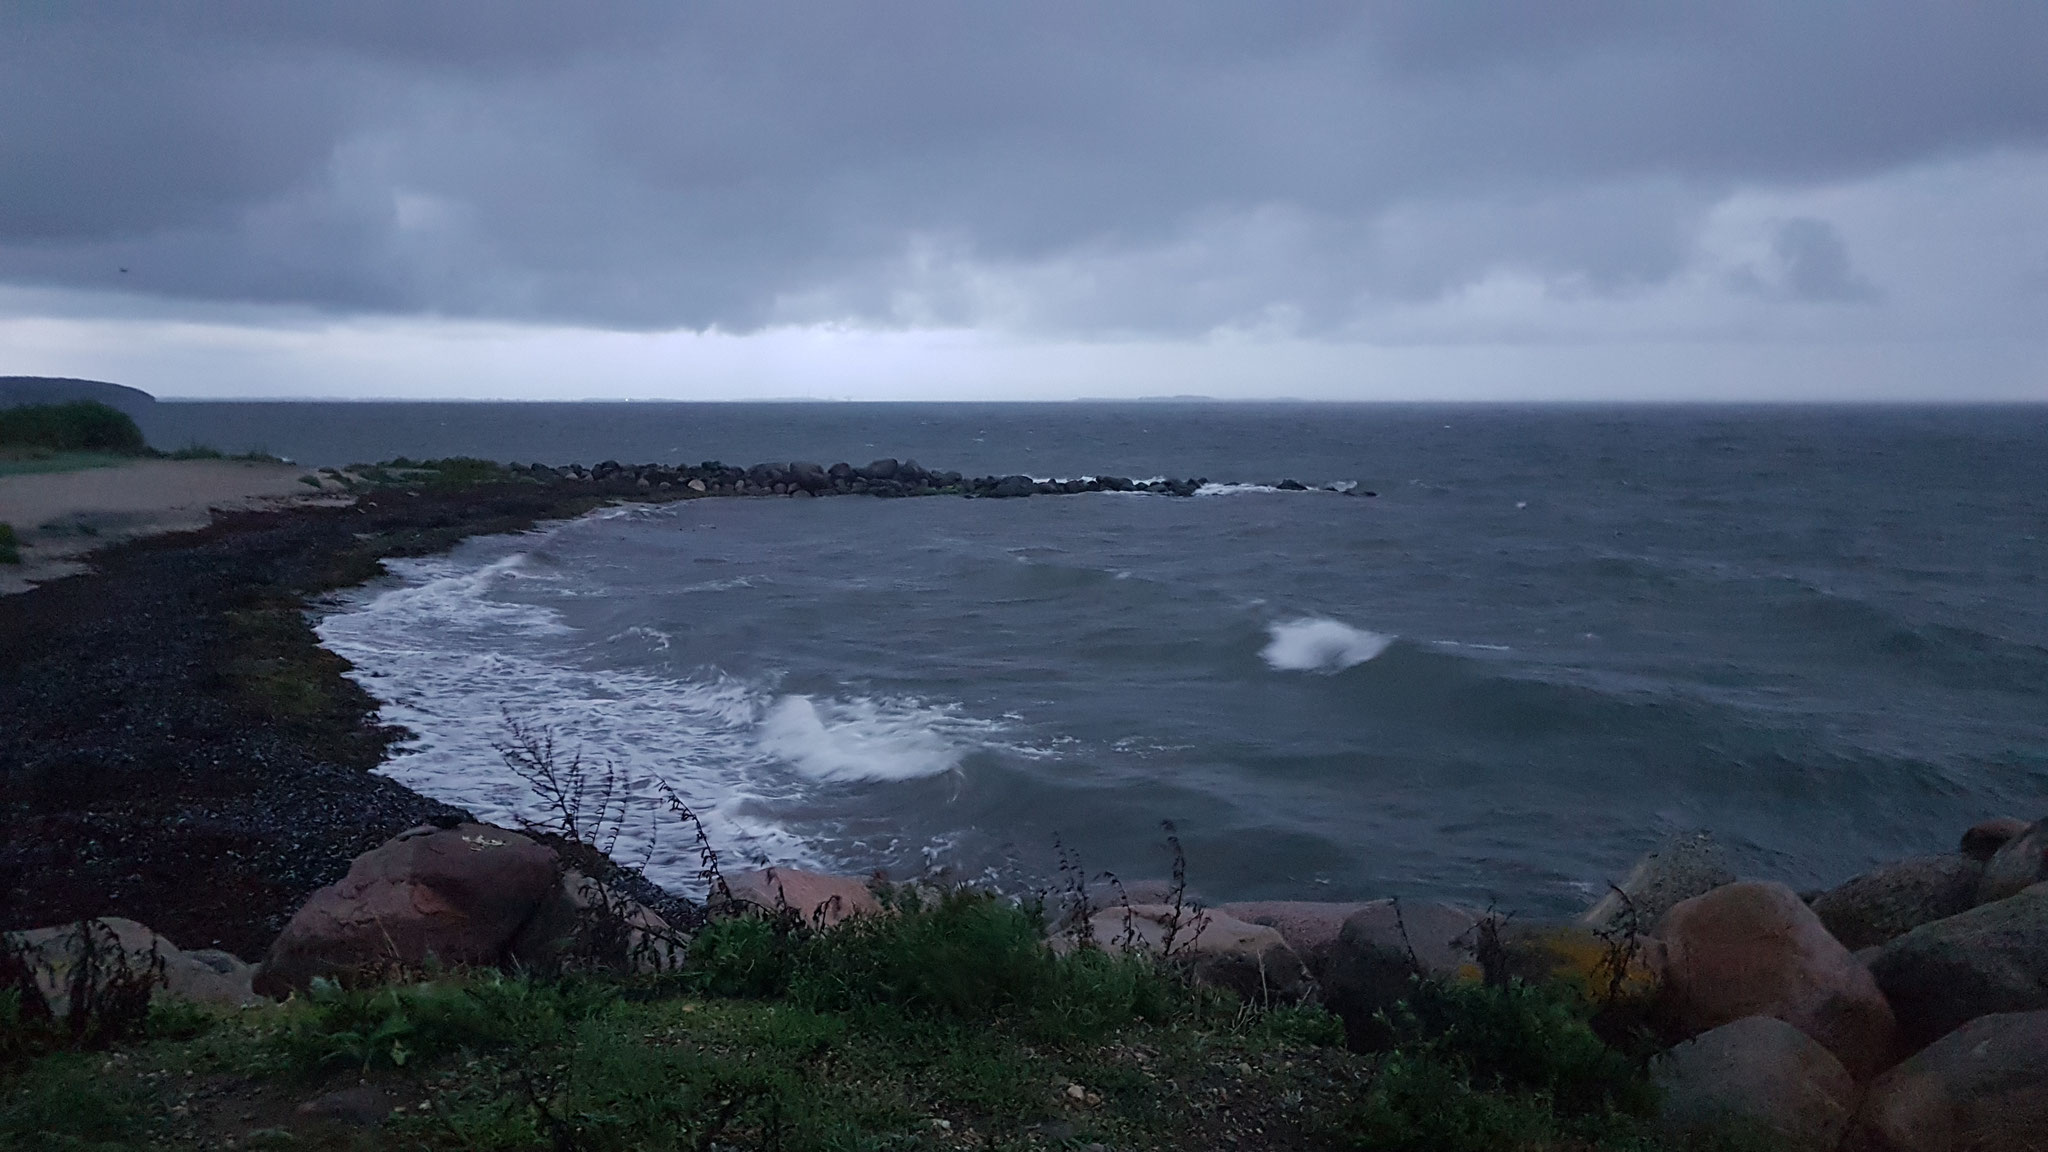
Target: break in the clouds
1036, 175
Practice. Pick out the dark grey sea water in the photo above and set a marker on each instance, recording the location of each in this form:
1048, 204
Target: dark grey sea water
1556, 635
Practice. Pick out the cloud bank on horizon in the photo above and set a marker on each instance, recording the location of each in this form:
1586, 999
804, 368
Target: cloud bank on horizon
1749, 199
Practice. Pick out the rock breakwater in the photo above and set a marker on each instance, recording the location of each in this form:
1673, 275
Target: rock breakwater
885, 477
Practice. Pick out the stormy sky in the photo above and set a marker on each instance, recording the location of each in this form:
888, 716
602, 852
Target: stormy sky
1570, 200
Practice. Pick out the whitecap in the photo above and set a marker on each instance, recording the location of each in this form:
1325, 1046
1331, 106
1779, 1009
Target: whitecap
865, 739
1315, 644
1232, 489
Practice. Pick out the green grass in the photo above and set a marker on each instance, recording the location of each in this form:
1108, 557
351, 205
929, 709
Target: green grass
207, 452
24, 461
944, 1025
83, 426
10, 545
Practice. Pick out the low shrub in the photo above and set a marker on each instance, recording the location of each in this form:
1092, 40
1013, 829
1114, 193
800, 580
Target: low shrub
82, 426
208, 452
105, 993
965, 955
10, 545
1524, 1038
1484, 1066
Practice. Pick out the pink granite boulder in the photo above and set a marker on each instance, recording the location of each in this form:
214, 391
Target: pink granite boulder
819, 898
456, 896
1982, 840
1756, 949
1981, 1088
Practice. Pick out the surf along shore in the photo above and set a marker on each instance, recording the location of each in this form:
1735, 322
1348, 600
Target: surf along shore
178, 747
179, 751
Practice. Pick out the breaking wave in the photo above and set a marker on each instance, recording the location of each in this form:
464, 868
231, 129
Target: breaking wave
865, 739
1315, 644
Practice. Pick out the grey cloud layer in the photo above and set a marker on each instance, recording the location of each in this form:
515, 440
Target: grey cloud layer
1162, 167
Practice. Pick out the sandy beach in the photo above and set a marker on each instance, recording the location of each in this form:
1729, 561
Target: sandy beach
60, 516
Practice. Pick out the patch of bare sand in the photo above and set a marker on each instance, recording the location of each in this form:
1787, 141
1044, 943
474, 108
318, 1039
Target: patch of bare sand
61, 516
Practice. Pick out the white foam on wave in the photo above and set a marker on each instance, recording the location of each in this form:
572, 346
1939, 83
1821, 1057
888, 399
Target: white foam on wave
868, 740
1214, 489
1316, 644
452, 659
442, 595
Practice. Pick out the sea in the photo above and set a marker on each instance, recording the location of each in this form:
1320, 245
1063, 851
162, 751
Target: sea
1492, 654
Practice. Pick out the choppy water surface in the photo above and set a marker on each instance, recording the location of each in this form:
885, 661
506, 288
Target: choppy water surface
1554, 636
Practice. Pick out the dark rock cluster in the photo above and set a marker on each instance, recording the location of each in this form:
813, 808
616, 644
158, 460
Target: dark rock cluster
886, 477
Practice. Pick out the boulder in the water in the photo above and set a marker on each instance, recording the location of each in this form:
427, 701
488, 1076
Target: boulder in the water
1680, 868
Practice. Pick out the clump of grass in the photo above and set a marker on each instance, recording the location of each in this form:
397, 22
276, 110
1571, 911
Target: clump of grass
81, 426
208, 452
10, 544
391, 1026
66, 1102
1475, 1066
964, 955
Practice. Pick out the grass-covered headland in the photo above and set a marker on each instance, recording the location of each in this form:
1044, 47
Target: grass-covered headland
946, 1023
81, 434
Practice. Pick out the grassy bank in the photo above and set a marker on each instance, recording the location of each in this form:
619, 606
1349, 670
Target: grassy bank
85, 434
947, 1025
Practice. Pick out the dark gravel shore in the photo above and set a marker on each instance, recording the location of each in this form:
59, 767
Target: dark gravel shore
174, 745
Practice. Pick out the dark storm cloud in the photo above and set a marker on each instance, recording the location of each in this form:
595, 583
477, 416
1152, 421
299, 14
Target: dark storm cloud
1161, 167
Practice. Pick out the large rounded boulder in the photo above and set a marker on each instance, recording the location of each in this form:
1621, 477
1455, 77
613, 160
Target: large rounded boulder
1678, 869
1310, 927
455, 896
2019, 864
61, 957
818, 898
1219, 950
1760, 1075
1382, 949
1756, 949
1896, 898
1993, 958
1981, 1088
1982, 840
